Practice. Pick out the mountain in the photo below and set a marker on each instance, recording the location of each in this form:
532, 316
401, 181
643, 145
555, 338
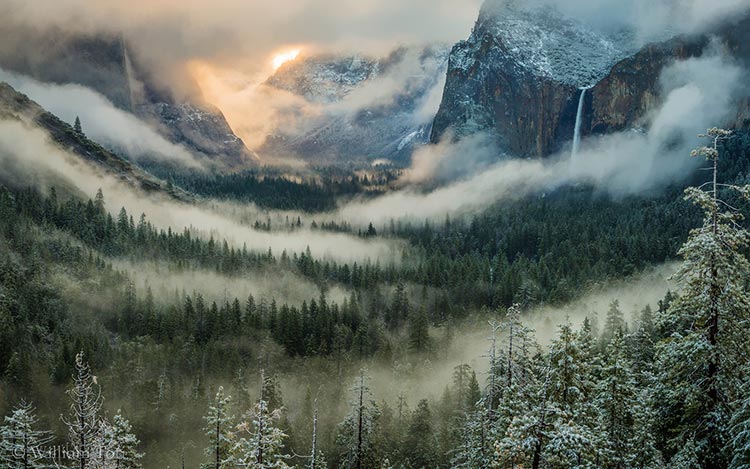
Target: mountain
520, 74
17, 106
365, 108
106, 65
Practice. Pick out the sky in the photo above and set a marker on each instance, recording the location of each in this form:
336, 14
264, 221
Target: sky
247, 34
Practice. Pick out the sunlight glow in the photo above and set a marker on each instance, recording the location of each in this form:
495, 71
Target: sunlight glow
282, 58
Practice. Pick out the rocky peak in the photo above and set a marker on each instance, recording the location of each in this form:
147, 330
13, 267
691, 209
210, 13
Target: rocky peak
324, 78
550, 45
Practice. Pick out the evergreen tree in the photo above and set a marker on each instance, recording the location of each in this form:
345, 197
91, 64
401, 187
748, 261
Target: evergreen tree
617, 401
262, 446
77, 127
83, 420
706, 322
356, 434
614, 321
739, 429
419, 334
420, 441
22, 443
218, 430
126, 443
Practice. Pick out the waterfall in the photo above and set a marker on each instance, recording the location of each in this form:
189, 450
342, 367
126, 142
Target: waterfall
577, 133
129, 76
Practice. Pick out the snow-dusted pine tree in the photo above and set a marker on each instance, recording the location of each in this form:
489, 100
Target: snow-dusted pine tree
317, 459
219, 424
103, 448
739, 429
707, 321
262, 446
617, 403
83, 420
21, 443
126, 443
356, 433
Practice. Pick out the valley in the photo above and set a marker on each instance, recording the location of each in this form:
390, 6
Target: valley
484, 248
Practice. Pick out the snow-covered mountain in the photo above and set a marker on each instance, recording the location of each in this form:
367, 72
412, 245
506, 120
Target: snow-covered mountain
520, 74
366, 108
325, 78
550, 45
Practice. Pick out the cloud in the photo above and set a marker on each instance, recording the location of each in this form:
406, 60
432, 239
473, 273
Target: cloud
651, 20
245, 33
26, 155
102, 121
283, 286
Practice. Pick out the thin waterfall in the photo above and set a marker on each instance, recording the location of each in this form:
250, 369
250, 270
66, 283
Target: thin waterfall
129, 75
577, 133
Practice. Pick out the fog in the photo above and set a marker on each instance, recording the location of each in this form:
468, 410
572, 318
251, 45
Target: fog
102, 121
27, 156
245, 34
164, 280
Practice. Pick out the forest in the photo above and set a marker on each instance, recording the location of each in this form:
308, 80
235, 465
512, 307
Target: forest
100, 369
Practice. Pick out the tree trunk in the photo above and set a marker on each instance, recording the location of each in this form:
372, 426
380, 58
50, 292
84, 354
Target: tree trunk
359, 425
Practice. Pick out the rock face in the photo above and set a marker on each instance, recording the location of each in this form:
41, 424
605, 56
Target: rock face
105, 64
519, 77
623, 97
364, 108
324, 78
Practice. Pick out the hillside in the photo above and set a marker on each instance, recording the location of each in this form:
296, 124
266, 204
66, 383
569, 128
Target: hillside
17, 106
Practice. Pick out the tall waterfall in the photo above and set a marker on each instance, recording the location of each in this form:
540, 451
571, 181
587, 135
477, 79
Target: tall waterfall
577, 134
129, 76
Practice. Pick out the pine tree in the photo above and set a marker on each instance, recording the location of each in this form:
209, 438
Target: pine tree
420, 441
419, 335
22, 444
126, 443
617, 401
356, 434
77, 127
614, 321
103, 447
739, 429
263, 445
706, 322
317, 459
218, 430
83, 420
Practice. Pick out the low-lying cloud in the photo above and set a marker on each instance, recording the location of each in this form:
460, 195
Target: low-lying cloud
274, 284
27, 155
102, 121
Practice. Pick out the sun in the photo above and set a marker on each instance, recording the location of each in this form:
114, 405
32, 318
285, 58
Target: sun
283, 57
